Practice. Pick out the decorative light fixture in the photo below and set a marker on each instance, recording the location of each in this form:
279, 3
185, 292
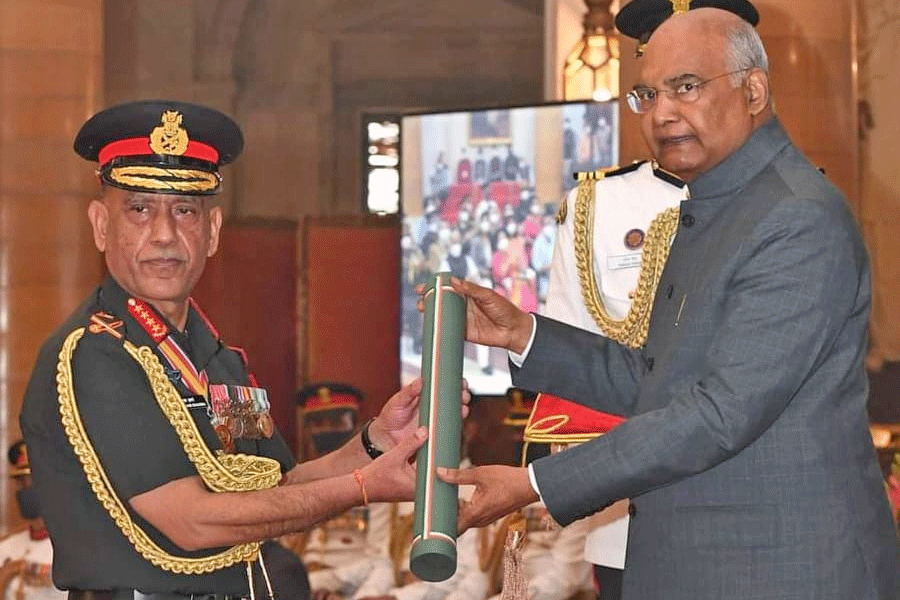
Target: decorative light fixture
591, 70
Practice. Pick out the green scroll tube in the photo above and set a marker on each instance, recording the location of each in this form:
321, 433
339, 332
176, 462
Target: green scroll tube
433, 553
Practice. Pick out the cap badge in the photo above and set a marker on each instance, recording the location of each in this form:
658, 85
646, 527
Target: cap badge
170, 137
680, 6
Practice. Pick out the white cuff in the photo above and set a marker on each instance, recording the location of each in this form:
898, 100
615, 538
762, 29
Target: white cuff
533, 481
518, 359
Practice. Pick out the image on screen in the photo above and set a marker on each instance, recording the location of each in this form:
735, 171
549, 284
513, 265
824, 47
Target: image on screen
480, 190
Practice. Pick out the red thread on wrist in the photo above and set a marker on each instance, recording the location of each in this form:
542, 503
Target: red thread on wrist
358, 476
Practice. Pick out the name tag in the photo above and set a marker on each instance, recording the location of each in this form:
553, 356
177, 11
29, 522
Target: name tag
631, 260
194, 402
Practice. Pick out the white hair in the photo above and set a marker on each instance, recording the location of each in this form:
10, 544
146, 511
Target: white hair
743, 51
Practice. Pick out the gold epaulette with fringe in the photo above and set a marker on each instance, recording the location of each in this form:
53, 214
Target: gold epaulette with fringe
225, 473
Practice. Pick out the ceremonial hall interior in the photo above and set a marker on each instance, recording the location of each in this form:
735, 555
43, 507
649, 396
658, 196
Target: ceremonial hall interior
310, 276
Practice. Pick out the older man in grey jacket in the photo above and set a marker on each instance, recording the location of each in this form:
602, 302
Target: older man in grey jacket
747, 454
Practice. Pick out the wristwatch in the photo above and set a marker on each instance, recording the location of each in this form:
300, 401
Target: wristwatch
368, 446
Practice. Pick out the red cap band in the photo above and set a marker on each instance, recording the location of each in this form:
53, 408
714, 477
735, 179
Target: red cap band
141, 146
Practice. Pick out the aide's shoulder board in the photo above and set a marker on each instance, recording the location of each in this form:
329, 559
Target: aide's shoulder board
607, 172
668, 176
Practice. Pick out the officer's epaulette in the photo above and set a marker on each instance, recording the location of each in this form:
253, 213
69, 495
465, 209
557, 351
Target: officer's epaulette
608, 171
667, 176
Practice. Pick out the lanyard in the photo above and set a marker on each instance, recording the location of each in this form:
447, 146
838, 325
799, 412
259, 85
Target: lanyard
196, 381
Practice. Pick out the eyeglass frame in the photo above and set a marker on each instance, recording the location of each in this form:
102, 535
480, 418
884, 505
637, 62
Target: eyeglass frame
633, 100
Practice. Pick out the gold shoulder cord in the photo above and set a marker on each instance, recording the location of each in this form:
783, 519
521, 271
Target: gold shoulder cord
632, 330
227, 473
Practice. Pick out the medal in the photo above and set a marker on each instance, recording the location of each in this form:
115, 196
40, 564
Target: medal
250, 425
261, 408
240, 411
634, 239
235, 426
264, 422
245, 411
224, 436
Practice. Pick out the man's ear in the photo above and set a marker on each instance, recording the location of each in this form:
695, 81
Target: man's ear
215, 226
98, 215
757, 91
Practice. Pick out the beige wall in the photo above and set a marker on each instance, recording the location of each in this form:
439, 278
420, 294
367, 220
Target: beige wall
50, 82
298, 76
880, 168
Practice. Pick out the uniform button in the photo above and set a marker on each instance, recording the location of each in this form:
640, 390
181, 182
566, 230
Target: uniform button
669, 290
650, 363
687, 220
631, 510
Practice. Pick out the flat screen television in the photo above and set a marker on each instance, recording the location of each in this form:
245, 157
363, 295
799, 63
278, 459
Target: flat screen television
480, 190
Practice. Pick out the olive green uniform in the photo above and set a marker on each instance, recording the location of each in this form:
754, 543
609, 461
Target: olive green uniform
134, 443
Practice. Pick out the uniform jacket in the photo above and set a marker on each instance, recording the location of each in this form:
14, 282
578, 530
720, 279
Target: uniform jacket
622, 203
137, 447
625, 201
747, 454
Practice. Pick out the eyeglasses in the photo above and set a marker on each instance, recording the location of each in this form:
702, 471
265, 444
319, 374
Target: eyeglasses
642, 99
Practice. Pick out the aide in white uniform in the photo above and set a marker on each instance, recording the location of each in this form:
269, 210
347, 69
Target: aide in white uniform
372, 563
26, 556
381, 570
469, 582
26, 567
553, 562
330, 417
625, 203
384, 571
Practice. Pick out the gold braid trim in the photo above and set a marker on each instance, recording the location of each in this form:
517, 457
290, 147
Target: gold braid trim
491, 548
233, 472
183, 180
632, 330
398, 543
542, 431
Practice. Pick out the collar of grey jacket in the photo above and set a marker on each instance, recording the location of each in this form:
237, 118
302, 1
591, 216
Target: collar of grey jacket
743, 164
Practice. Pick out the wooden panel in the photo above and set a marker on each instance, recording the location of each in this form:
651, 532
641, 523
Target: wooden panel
351, 275
249, 292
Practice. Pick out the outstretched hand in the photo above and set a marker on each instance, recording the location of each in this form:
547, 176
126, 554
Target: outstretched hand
399, 417
491, 319
392, 476
499, 490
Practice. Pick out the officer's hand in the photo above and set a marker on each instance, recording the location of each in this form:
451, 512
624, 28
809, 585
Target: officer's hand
491, 319
392, 476
399, 417
499, 490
